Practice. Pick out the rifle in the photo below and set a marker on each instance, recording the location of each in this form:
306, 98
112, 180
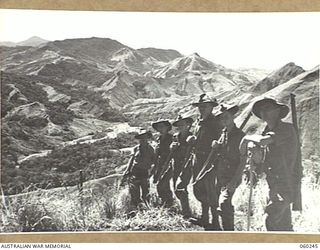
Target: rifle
223, 140
124, 179
165, 167
189, 153
297, 204
243, 124
127, 173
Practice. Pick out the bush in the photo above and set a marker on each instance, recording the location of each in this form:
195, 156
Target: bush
61, 166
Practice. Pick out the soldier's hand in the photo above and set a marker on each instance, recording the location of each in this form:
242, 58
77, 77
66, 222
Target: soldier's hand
243, 146
155, 180
174, 145
267, 139
215, 144
231, 186
191, 139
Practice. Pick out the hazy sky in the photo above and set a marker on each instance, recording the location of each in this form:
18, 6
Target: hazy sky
260, 40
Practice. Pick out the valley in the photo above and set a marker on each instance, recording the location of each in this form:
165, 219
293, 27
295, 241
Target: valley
76, 104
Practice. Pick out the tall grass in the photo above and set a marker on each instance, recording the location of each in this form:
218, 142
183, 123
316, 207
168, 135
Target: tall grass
308, 220
104, 207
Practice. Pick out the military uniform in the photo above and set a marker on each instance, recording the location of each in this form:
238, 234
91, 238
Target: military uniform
282, 151
279, 167
181, 175
227, 164
139, 169
163, 186
205, 189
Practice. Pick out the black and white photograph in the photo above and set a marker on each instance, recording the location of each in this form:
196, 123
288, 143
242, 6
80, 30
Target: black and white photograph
159, 121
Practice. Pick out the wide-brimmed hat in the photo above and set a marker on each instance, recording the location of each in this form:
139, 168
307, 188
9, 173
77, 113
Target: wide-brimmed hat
233, 109
203, 99
180, 118
156, 124
143, 134
258, 105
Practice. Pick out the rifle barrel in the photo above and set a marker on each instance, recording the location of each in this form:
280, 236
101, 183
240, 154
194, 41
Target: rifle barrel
297, 204
245, 121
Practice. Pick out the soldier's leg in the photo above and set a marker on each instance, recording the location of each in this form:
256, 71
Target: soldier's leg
278, 216
182, 194
164, 191
205, 214
215, 219
285, 223
134, 190
227, 210
145, 187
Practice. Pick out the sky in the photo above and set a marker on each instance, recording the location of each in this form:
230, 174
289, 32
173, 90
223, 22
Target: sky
235, 40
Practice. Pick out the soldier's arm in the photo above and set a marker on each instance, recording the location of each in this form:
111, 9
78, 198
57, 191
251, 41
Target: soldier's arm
130, 164
236, 180
261, 140
286, 140
286, 134
154, 160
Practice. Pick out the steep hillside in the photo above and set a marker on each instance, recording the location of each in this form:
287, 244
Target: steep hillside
306, 88
121, 74
163, 55
66, 90
38, 114
278, 77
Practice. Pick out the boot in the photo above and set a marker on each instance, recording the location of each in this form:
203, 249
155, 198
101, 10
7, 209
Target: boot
215, 220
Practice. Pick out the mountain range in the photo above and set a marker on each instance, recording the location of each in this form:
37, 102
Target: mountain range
55, 91
32, 41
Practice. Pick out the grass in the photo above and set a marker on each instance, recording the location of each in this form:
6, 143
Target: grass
103, 207
308, 220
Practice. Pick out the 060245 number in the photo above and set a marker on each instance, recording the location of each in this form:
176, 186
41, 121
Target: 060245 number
309, 246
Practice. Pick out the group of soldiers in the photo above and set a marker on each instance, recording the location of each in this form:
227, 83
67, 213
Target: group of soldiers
212, 161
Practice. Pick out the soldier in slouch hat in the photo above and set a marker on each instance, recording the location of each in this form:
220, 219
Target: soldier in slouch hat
207, 130
162, 153
280, 142
182, 173
227, 164
139, 169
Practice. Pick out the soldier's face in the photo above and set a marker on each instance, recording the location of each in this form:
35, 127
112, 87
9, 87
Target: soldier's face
226, 119
183, 126
270, 113
143, 141
205, 109
162, 129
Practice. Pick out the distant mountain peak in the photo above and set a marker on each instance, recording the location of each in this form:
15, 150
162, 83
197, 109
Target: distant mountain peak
290, 69
195, 54
36, 38
32, 41
279, 76
290, 65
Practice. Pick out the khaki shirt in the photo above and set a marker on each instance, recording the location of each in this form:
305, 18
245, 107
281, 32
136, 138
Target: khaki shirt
281, 158
164, 142
143, 159
207, 131
229, 160
180, 153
